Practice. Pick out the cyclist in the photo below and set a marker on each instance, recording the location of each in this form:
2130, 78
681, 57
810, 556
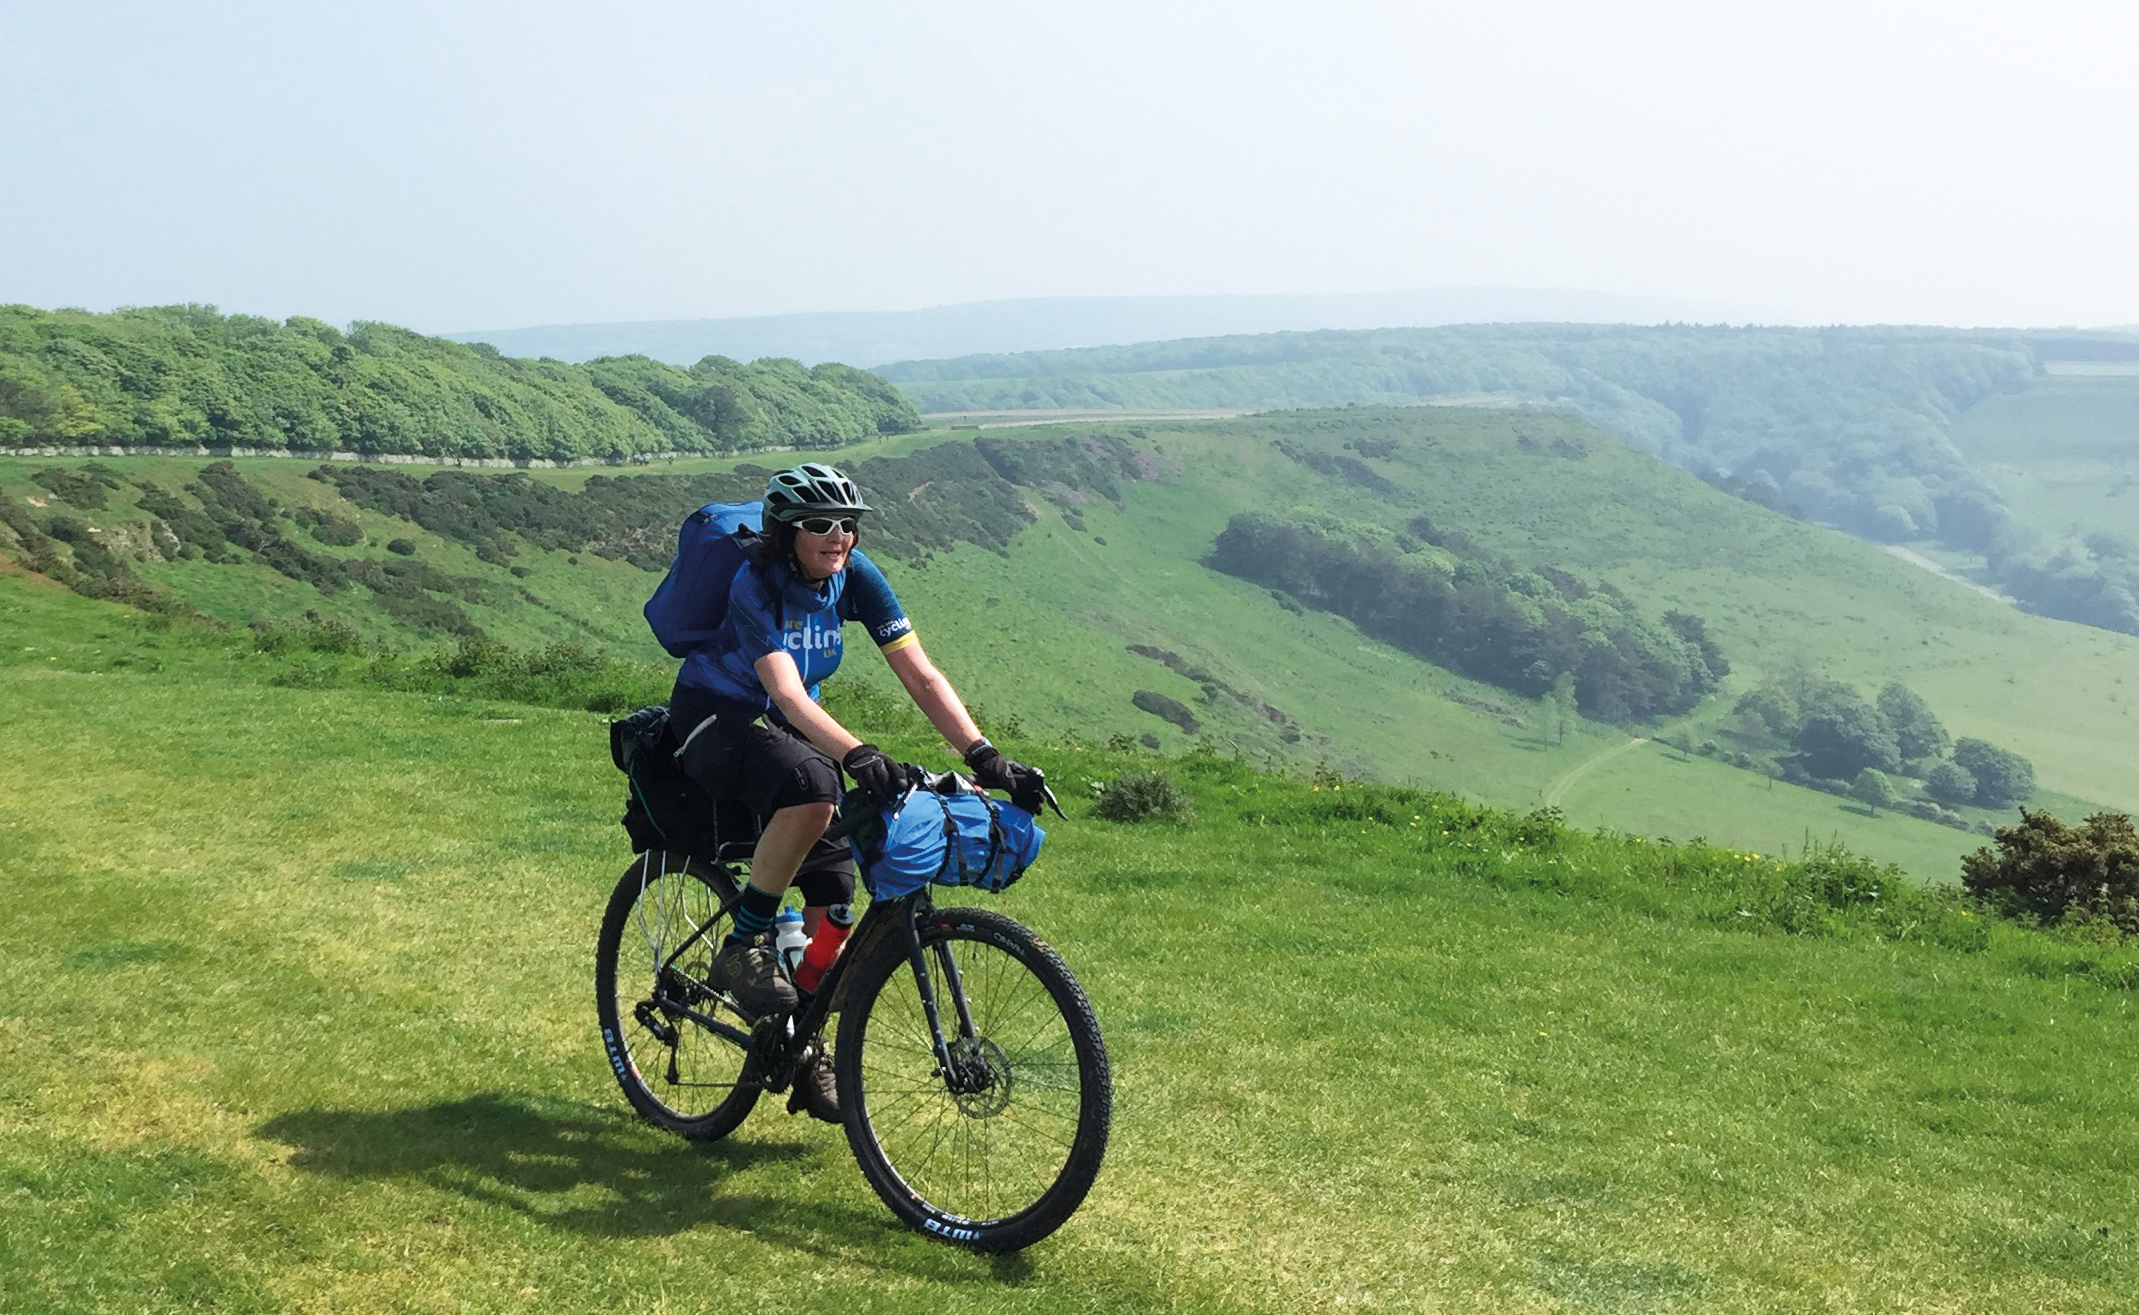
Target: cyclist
753, 732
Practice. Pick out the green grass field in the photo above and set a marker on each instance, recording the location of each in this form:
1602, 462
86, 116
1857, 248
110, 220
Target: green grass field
296, 1014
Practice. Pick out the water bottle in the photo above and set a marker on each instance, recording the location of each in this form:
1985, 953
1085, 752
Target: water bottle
789, 940
824, 946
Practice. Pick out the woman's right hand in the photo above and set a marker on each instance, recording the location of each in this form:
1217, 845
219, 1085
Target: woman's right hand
884, 779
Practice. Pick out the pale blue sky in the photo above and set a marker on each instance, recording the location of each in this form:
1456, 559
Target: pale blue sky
461, 166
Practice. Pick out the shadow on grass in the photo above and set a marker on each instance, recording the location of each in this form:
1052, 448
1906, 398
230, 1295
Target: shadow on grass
571, 1166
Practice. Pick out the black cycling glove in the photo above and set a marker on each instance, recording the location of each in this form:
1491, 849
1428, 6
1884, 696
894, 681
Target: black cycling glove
884, 779
1027, 786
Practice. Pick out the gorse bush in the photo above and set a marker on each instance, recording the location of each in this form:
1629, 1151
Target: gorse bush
926, 501
1143, 796
1167, 709
2045, 869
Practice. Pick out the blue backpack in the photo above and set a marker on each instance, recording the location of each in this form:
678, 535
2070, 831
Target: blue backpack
954, 839
692, 599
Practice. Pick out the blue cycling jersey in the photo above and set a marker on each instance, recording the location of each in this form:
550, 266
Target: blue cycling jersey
775, 611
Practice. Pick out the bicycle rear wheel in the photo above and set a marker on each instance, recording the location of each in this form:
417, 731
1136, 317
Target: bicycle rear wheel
689, 1075
998, 1154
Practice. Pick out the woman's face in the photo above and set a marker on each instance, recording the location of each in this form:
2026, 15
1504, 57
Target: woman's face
823, 555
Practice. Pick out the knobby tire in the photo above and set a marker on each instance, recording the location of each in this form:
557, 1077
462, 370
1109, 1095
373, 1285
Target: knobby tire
995, 1169
662, 898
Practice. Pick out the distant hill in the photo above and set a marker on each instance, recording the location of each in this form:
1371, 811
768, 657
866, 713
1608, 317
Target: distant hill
868, 338
1852, 427
187, 377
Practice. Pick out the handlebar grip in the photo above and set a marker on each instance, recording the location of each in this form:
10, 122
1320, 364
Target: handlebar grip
854, 810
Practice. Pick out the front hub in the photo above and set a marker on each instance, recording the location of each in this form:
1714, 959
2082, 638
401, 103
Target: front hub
979, 1078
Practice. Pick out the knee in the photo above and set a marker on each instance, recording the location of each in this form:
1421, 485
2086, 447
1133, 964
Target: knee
817, 816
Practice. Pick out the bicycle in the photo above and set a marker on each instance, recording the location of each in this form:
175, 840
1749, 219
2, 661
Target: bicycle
973, 1082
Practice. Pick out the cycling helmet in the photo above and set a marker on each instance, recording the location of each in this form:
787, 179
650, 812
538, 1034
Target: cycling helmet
811, 489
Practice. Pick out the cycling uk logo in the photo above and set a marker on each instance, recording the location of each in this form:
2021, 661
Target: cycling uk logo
808, 637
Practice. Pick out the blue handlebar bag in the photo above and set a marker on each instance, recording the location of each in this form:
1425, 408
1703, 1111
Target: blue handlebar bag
957, 838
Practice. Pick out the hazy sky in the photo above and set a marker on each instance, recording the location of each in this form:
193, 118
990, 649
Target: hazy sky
466, 166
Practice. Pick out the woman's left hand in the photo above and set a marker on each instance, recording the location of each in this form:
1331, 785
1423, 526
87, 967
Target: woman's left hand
1027, 786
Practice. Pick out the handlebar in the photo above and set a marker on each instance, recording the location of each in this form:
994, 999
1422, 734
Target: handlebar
857, 808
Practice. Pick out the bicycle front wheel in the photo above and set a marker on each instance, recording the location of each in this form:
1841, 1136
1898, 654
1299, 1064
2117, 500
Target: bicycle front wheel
997, 1152
680, 1053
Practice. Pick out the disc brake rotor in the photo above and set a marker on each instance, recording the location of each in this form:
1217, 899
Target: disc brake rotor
984, 1090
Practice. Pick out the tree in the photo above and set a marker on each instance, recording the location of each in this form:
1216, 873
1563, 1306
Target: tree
1950, 783
1560, 703
1769, 714
1873, 790
2003, 778
1840, 735
1916, 731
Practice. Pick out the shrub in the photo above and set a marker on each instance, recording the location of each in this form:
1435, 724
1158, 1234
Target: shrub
1166, 709
86, 490
331, 635
1142, 796
329, 528
2055, 872
402, 547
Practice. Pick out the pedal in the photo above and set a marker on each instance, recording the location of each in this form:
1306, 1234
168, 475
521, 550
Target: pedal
772, 1051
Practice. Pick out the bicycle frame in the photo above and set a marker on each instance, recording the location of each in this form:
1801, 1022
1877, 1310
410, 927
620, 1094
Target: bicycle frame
777, 1043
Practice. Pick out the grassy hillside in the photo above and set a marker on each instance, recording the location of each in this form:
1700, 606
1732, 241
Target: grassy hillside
2063, 452
298, 1017
1847, 424
1098, 593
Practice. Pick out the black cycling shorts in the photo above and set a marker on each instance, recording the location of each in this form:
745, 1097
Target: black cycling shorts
737, 757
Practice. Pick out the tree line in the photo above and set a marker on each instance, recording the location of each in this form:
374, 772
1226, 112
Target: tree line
1831, 736
186, 376
1459, 606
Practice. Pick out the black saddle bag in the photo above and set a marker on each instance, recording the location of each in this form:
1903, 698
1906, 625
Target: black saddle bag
666, 809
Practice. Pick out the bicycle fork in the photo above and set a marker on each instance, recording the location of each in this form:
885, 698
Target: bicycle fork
960, 1065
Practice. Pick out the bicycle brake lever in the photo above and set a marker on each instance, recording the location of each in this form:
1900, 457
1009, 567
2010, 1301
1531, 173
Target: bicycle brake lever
1047, 792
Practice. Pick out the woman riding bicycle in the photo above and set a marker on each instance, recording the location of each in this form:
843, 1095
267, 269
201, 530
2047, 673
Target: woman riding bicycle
746, 708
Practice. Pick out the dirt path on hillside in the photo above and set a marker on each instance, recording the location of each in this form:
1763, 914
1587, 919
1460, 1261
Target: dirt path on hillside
1558, 789
1918, 559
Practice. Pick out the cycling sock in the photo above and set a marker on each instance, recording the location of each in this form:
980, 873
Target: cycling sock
753, 917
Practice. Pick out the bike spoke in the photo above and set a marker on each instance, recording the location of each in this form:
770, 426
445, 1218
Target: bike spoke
656, 910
